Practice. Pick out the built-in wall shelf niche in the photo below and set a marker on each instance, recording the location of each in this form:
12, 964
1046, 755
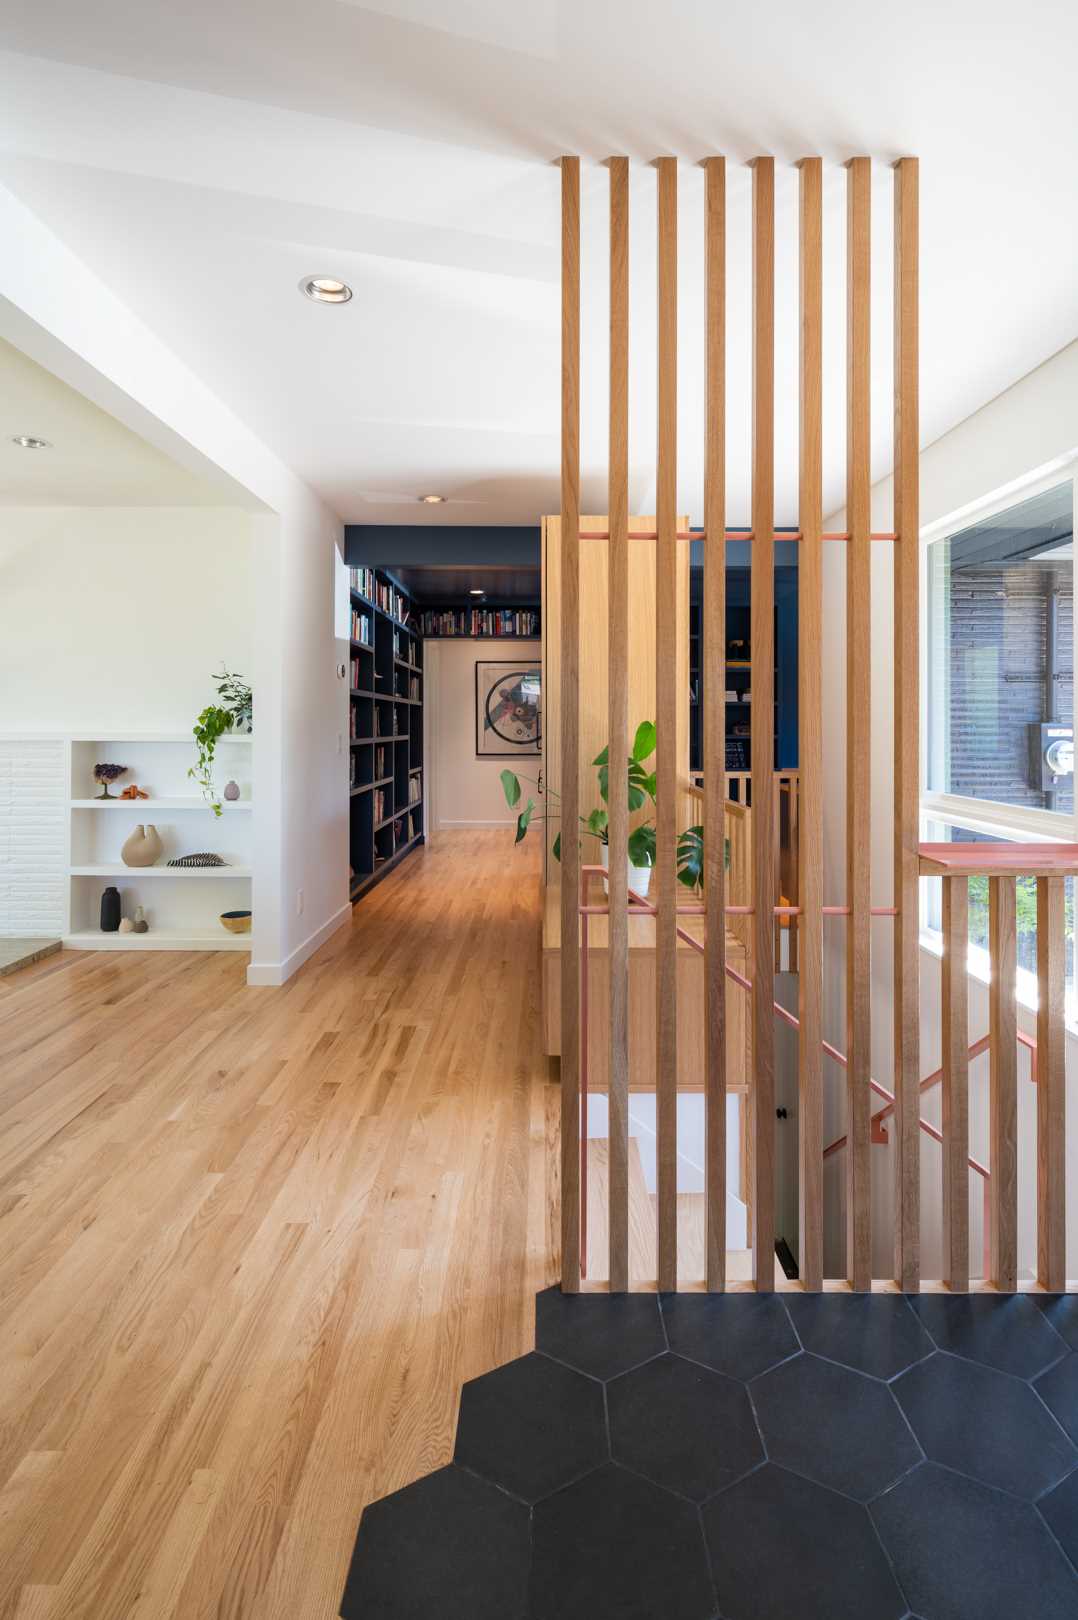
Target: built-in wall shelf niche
182, 904
385, 787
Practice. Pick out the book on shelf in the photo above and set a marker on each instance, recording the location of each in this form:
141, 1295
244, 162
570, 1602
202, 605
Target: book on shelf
415, 787
413, 688
355, 675
352, 773
379, 763
377, 732
361, 627
379, 804
481, 622
361, 580
391, 601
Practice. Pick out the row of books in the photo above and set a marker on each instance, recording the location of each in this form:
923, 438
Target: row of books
379, 804
363, 581
391, 601
361, 627
415, 787
356, 682
481, 622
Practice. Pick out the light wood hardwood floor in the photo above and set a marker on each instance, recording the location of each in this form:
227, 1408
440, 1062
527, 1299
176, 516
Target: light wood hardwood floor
252, 1241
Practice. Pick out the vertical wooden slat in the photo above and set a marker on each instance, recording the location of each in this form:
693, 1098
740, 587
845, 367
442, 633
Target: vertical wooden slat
907, 1033
762, 622
570, 722
955, 1085
1003, 1087
810, 731
713, 724
858, 730
618, 723
1051, 1088
666, 794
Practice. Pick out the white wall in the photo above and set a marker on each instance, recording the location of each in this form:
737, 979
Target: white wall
57, 311
114, 618
1023, 430
467, 791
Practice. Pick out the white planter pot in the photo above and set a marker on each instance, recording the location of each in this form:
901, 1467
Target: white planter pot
639, 876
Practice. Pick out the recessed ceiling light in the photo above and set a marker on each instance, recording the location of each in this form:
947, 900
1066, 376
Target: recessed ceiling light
26, 441
432, 500
477, 593
325, 289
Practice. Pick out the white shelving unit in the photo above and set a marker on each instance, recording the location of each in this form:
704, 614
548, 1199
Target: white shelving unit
184, 915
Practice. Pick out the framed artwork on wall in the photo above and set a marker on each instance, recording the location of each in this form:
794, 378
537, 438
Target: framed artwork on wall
508, 710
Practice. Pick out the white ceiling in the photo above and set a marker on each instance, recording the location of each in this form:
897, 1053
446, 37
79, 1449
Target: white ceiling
92, 459
204, 158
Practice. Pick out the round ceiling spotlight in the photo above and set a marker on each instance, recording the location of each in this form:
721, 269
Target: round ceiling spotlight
475, 592
325, 289
26, 441
432, 500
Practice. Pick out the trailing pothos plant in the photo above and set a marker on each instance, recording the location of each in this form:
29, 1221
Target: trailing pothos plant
232, 712
640, 789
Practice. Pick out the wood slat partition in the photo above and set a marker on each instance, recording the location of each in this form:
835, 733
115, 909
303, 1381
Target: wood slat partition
570, 722
1003, 1086
955, 1086
1051, 1087
762, 632
810, 730
618, 714
858, 729
906, 704
713, 724
666, 795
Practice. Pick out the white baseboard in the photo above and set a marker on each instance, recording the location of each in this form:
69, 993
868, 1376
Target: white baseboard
281, 972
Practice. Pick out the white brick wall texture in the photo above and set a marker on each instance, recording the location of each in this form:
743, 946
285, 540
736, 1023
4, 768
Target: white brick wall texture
33, 837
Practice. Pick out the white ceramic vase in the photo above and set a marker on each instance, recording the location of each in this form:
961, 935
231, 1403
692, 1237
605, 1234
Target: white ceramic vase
639, 876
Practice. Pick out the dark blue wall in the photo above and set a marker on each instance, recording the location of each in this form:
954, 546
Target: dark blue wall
385, 545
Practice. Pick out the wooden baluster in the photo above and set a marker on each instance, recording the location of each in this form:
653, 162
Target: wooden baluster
1051, 1088
810, 732
907, 1030
858, 731
666, 705
1003, 1088
618, 724
955, 1083
570, 723
763, 724
713, 723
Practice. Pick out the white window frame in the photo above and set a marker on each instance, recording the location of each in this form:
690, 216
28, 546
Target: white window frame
1022, 824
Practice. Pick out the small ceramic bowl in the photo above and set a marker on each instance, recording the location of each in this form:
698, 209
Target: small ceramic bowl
237, 922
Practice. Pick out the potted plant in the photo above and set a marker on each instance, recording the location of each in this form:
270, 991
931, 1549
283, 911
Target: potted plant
232, 712
640, 786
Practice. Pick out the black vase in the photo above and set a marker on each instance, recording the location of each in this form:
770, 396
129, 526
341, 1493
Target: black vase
110, 911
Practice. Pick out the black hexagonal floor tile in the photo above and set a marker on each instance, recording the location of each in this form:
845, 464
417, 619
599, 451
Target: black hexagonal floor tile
614, 1544
683, 1425
531, 1426
874, 1333
1003, 1330
1060, 1509
740, 1335
1062, 1311
782, 1546
1058, 1389
450, 1545
599, 1334
984, 1423
833, 1425
963, 1551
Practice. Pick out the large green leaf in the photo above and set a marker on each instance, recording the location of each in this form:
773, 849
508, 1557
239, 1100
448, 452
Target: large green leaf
690, 857
511, 788
601, 759
556, 848
645, 740
523, 820
597, 823
642, 845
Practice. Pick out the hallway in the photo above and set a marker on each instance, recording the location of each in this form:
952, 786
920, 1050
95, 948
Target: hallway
254, 1240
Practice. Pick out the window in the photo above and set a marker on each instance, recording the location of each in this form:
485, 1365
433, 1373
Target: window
1000, 691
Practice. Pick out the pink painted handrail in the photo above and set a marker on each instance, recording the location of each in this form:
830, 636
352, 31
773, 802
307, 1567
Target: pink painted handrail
638, 903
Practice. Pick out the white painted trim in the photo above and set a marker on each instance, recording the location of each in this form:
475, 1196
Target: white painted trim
272, 973
997, 500
1020, 823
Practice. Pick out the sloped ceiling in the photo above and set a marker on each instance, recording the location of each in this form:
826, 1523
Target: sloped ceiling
205, 158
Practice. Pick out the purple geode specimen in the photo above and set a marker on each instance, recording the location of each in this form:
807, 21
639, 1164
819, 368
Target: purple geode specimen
106, 774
